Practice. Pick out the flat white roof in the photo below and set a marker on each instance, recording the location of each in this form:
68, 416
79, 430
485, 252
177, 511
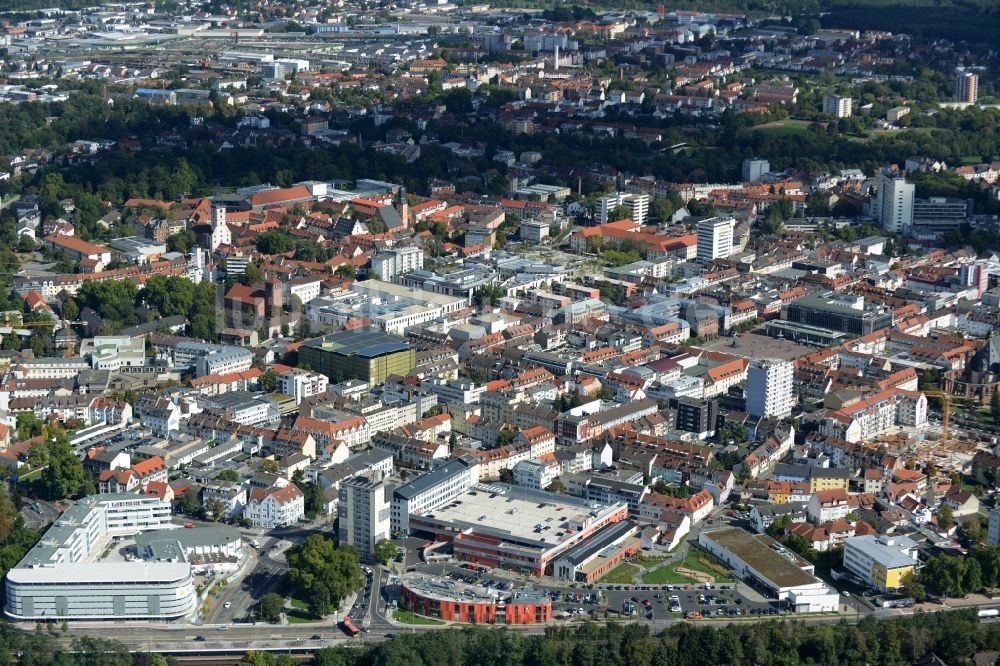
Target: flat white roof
101, 572
525, 515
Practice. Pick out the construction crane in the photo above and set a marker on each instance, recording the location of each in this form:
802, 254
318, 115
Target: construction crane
31, 324
945, 412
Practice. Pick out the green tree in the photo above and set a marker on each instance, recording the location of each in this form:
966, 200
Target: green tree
252, 275
268, 381
506, 476
319, 601
169, 295
995, 406
317, 560
228, 475
619, 213
506, 437
28, 425
214, 509
315, 499
189, 503
182, 241
91, 651
64, 475
270, 607
945, 517
662, 209
113, 300
972, 579
70, 310
557, 486
385, 551
774, 222
912, 587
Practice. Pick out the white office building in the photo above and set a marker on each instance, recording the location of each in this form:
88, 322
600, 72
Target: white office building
397, 261
754, 169
894, 203
839, 107
966, 87
64, 576
769, 388
301, 384
536, 474
363, 509
715, 238
638, 205
432, 490
210, 359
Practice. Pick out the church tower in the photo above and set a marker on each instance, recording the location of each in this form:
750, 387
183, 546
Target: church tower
220, 230
403, 206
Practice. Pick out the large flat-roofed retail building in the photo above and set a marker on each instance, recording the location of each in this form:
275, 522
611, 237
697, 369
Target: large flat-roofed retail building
770, 567
840, 312
73, 572
366, 354
515, 528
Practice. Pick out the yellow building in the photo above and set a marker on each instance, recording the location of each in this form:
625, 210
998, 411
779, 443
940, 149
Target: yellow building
881, 562
820, 481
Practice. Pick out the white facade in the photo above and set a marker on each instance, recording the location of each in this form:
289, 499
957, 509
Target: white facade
638, 205
304, 290
788, 576
301, 384
753, 170
715, 239
364, 508
428, 492
536, 474
769, 388
48, 368
879, 561
840, 107
220, 230
397, 261
275, 507
60, 577
894, 204
114, 352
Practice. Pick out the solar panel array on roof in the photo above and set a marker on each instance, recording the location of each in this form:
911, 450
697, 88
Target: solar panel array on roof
365, 342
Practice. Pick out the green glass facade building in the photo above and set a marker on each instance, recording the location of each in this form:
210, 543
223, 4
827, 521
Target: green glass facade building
366, 354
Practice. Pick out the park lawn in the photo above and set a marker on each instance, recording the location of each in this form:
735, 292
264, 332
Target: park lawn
783, 127
413, 618
669, 575
295, 602
30, 476
622, 574
298, 617
646, 561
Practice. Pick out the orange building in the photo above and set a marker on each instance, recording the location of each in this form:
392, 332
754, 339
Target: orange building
456, 602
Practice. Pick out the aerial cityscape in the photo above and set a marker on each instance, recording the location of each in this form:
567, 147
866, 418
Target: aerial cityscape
372, 332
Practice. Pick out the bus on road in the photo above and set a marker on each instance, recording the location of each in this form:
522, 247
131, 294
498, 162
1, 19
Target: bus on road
349, 627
